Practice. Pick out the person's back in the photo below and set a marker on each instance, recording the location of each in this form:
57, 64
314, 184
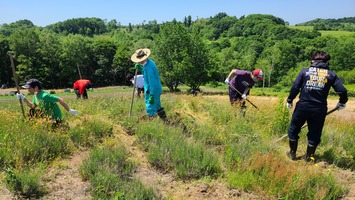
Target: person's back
80, 87
314, 84
242, 80
139, 81
48, 103
151, 77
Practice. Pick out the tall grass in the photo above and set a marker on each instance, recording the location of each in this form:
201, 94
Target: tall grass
109, 170
170, 151
204, 136
277, 177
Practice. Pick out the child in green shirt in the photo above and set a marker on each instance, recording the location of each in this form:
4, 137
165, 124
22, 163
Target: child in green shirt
45, 101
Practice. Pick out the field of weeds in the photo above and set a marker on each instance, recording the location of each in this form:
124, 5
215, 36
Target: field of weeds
205, 149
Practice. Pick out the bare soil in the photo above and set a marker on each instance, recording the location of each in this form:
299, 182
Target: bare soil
63, 179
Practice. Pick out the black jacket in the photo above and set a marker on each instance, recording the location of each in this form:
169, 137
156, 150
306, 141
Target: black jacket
314, 84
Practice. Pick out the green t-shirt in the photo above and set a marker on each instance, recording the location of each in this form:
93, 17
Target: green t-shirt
48, 104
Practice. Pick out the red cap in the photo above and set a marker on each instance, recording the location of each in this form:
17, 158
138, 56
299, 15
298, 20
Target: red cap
258, 73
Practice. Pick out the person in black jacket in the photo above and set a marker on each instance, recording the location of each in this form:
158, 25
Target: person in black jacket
313, 84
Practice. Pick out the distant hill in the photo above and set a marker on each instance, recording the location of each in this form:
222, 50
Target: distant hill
341, 24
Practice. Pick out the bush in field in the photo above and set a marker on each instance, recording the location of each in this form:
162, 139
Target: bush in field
348, 77
25, 143
268, 173
24, 182
169, 151
109, 171
88, 130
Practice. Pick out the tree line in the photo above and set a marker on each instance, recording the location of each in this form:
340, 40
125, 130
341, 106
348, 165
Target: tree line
342, 24
195, 52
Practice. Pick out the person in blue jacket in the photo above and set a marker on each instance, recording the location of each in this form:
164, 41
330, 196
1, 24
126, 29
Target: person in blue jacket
152, 84
313, 84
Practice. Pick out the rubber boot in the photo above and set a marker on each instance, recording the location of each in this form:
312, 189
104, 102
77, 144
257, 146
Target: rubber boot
161, 113
293, 148
310, 153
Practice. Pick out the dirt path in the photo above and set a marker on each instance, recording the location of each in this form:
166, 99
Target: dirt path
167, 186
6, 194
64, 181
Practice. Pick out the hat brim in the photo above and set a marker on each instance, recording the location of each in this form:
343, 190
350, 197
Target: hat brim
26, 86
137, 60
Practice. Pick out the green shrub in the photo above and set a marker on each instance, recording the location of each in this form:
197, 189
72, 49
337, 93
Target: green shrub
268, 173
109, 171
24, 182
26, 143
168, 150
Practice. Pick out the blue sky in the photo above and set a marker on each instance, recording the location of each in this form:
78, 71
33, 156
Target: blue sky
45, 12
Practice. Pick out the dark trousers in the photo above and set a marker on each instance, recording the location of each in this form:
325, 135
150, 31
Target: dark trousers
315, 122
139, 91
235, 97
85, 94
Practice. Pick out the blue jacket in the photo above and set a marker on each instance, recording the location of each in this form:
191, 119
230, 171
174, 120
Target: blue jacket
152, 84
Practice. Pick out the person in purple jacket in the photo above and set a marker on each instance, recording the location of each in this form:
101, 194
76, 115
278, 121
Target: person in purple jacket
240, 85
313, 84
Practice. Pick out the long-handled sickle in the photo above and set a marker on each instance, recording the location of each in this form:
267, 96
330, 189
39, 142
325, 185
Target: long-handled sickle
241, 94
279, 139
16, 80
134, 88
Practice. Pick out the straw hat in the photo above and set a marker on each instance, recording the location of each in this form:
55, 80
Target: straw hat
140, 55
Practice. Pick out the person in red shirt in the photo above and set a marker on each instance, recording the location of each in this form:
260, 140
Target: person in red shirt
80, 88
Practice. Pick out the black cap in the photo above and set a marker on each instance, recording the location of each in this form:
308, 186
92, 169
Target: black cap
32, 83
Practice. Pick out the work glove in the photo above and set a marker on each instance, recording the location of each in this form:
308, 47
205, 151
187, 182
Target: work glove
244, 96
151, 99
138, 66
226, 81
20, 96
341, 106
74, 112
289, 105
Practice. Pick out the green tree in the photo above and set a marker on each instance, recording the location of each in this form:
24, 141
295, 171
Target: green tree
172, 53
5, 66
76, 58
48, 52
8, 29
85, 26
342, 54
121, 62
281, 57
25, 44
112, 25
182, 57
198, 71
103, 54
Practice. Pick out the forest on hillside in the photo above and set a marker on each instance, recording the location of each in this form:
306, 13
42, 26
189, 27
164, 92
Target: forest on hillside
342, 24
195, 52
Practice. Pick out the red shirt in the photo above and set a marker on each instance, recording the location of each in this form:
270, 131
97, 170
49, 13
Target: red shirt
81, 85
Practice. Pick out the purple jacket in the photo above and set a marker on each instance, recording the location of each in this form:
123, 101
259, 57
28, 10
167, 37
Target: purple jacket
242, 80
